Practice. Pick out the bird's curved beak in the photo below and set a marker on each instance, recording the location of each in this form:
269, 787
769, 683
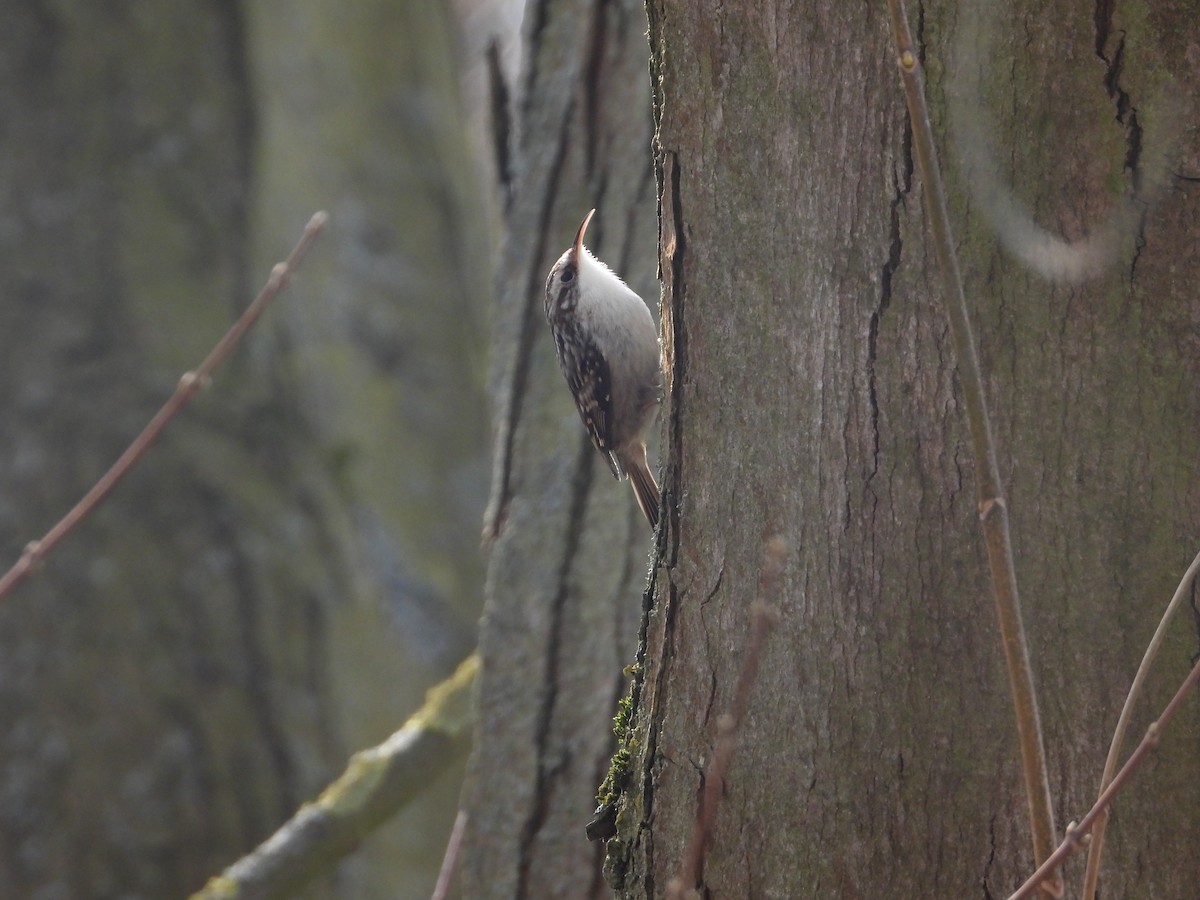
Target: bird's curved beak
577, 247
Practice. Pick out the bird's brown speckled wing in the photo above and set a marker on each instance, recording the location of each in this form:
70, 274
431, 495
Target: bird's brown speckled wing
590, 381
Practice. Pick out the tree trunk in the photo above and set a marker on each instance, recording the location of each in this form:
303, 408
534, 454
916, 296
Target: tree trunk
289, 569
568, 545
813, 396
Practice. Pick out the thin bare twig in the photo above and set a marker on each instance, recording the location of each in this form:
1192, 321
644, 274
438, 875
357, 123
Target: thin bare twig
1075, 835
189, 385
441, 890
1096, 846
993, 510
763, 618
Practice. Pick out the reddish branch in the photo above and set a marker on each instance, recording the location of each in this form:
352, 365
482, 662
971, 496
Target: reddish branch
189, 385
1096, 847
1075, 835
441, 890
763, 619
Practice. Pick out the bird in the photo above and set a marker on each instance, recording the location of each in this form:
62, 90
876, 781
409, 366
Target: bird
608, 350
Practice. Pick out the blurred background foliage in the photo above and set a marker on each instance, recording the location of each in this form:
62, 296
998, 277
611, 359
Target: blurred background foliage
281, 579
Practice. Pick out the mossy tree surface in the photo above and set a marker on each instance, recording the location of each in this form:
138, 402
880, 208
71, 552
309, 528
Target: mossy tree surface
813, 396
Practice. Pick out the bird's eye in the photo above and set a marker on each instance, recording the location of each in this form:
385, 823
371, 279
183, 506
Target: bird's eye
567, 276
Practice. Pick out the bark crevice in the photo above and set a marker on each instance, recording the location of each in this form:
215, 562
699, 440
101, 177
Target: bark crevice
577, 517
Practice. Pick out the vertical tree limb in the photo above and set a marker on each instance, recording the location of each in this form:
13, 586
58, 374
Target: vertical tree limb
993, 511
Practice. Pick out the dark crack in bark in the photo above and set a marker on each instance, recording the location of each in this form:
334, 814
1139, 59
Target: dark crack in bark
581, 486
1126, 112
531, 309
901, 185
500, 106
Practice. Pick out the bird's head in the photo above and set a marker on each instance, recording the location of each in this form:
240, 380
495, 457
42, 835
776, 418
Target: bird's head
576, 272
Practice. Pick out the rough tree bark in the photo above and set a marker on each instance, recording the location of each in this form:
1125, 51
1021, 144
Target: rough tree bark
264, 595
569, 547
813, 396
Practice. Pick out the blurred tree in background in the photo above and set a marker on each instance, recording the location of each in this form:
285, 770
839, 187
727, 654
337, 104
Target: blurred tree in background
284, 575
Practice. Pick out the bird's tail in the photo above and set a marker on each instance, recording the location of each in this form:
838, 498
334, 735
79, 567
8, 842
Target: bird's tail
645, 488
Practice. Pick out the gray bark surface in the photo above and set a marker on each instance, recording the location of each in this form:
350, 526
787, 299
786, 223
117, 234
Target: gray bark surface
813, 396
569, 548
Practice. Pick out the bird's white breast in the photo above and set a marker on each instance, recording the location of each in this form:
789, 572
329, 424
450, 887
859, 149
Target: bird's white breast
618, 317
